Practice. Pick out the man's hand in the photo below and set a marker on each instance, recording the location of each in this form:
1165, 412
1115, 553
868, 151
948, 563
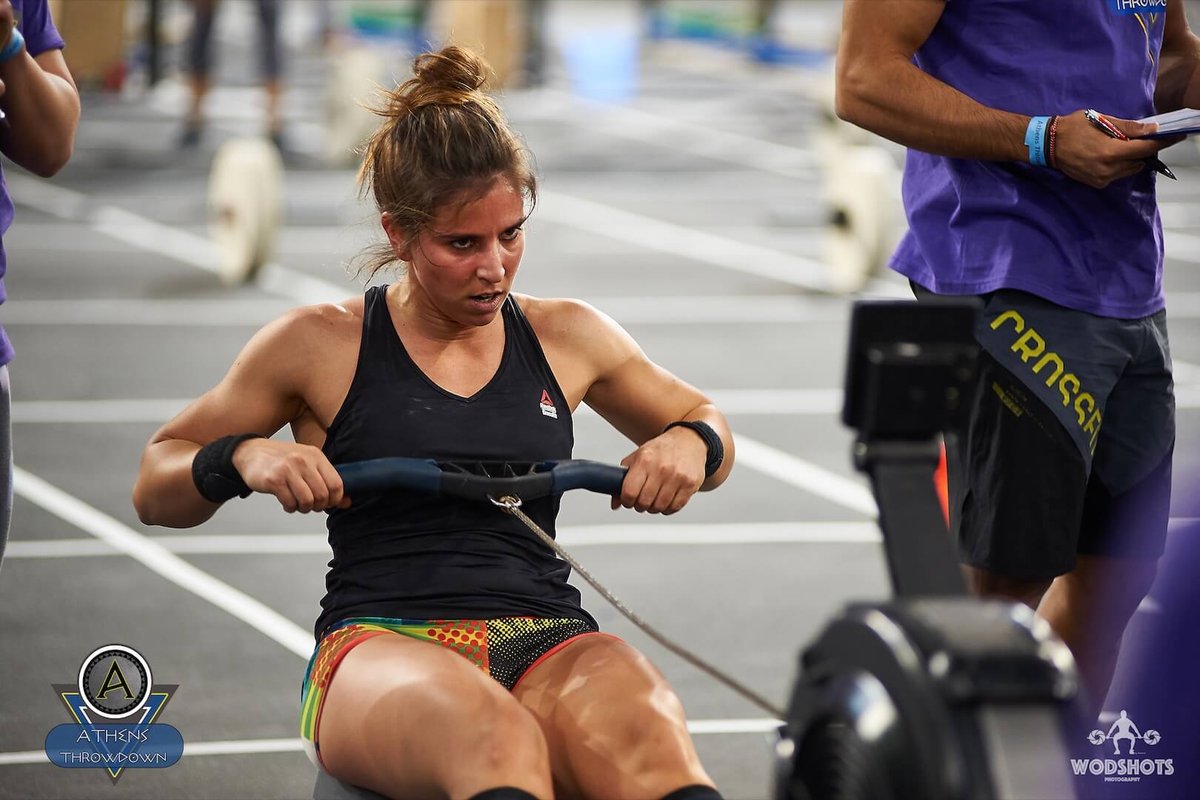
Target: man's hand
1089, 155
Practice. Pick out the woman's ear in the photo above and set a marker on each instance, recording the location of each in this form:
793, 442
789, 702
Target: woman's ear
400, 239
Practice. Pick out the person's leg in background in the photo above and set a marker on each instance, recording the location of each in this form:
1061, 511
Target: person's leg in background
1037, 509
271, 67
6, 460
199, 68
1126, 511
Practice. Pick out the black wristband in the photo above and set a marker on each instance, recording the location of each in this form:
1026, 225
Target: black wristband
716, 449
213, 472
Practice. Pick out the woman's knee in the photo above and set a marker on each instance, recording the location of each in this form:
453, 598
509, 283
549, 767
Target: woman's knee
423, 722
620, 728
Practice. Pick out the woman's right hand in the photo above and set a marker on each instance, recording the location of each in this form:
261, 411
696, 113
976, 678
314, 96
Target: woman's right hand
298, 475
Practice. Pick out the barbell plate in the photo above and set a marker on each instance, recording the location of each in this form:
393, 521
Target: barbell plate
245, 206
859, 185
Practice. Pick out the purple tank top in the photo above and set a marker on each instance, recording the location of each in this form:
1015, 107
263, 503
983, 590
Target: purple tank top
977, 226
33, 20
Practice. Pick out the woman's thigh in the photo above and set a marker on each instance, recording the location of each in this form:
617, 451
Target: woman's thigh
615, 728
407, 718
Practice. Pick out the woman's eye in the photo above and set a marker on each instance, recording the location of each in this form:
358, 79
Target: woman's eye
511, 233
461, 244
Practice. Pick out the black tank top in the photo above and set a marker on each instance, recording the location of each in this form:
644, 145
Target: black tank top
409, 555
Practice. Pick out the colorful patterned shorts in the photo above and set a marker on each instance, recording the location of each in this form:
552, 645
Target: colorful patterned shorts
505, 648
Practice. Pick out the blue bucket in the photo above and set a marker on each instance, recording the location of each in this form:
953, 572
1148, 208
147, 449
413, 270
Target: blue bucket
603, 65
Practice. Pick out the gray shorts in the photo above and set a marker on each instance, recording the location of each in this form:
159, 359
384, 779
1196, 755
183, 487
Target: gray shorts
1068, 448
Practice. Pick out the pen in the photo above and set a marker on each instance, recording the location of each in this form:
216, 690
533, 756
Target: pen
1102, 123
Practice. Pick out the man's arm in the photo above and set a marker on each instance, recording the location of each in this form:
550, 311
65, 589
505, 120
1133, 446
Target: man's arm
42, 105
880, 89
1179, 64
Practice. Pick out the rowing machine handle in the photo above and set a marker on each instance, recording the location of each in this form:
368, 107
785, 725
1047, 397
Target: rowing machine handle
479, 481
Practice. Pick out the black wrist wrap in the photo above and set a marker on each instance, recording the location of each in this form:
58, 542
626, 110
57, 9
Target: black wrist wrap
213, 472
716, 450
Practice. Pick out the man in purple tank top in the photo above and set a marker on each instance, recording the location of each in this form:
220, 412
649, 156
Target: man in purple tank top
1014, 192
41, 108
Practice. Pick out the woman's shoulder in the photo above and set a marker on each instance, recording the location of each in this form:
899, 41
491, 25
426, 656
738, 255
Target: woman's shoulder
323, 317
573, 325
305, 328
560, 315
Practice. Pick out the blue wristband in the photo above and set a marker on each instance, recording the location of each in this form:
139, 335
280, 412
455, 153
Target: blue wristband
1035, 140
16, 42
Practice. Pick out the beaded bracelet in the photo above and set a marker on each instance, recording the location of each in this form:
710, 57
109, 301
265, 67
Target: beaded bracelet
1051, 143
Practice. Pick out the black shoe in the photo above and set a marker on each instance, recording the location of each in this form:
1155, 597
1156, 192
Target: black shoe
279, 140
189, 138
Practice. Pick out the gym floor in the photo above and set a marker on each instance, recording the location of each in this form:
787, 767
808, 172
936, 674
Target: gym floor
691, 214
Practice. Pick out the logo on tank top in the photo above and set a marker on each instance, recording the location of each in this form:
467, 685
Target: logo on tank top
547, 406
1138, 6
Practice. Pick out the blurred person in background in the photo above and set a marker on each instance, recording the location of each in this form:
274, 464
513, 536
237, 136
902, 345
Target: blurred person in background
200, 66
41, 110
1060, 487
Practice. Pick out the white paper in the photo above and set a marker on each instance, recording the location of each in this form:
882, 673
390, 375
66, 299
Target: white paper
1176, 123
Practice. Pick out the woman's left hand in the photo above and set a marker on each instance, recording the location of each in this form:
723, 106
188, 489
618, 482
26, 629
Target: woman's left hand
663, 473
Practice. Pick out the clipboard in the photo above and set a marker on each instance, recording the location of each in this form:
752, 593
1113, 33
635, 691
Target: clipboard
1184, 122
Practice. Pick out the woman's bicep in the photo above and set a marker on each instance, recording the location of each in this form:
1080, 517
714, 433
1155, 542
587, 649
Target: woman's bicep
638, 397
252, 398
256, 396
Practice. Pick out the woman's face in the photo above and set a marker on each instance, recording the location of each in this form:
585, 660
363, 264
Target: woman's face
464, 262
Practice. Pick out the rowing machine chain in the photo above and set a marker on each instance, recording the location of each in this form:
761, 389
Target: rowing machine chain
512, 505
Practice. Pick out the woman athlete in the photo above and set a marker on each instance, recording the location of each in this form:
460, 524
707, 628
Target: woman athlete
453, 659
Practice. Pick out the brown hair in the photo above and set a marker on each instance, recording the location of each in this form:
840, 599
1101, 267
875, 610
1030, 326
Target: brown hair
443, 140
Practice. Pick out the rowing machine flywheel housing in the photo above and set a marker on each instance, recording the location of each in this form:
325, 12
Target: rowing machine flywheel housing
929, 699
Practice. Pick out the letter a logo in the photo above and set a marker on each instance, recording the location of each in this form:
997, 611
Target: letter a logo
115, 679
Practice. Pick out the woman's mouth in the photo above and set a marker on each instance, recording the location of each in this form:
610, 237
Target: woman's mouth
487, 300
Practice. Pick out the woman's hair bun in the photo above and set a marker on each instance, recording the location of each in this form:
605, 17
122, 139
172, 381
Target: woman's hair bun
451, 69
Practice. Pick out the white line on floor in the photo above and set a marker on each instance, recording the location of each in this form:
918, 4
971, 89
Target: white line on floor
220, 312
774, 463
237, 747
572, 536
693, 137
157, 558
1182, 247
681, 241
88, 412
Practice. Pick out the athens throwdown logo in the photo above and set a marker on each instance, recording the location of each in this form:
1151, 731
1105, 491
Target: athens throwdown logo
115, 704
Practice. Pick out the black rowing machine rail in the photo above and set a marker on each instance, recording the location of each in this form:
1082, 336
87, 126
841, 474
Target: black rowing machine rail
933, 695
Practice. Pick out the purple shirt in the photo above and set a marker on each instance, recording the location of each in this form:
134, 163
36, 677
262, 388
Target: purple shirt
978, 226
33, 20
